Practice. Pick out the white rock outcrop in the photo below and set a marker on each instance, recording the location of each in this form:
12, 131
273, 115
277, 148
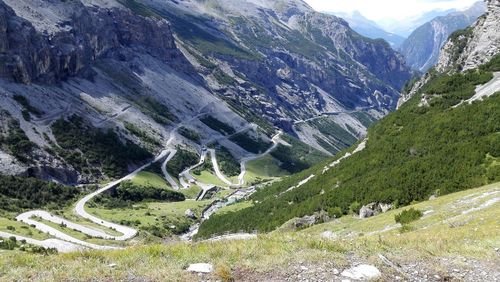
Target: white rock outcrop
200, 268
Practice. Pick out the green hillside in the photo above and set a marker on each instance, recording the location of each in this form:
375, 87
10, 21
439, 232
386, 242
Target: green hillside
434, 246
413, 153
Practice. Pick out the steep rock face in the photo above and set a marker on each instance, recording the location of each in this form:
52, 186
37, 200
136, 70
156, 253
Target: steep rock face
288, 63
474, 46
89, 34
421, 48
111, 67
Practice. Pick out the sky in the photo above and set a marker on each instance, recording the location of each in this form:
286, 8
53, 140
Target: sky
379, 10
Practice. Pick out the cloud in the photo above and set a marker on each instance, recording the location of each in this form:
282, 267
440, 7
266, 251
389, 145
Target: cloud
388, 9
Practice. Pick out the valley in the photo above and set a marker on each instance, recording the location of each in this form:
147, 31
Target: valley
247, 140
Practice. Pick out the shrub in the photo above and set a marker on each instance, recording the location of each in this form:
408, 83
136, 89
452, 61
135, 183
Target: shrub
335, 212
354, 207
408, 216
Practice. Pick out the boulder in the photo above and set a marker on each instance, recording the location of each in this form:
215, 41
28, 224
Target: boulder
362, 272
329, 235
304, 222
373, 209
366, 211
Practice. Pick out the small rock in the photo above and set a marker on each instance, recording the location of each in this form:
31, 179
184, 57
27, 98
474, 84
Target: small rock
190, 214
362, 272
200, 268
112, 265
335, 271
303, 268
437, 276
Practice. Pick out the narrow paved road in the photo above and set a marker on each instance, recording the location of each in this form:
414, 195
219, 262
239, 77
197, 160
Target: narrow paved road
217, 170
168, 177
276, 140
325, 114
61, 245
487, 89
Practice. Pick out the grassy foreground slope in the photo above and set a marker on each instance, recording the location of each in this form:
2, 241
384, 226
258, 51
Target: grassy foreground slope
413, 153
458, 231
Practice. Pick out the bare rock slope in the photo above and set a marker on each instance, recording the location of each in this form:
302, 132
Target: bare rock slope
476, 45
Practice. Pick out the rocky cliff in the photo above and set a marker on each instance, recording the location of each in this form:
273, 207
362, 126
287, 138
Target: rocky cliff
84, 35
474, 46
421, 48
288, 63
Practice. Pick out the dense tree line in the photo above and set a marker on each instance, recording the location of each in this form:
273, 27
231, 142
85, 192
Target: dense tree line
298, 156
19, 193
411, 154
228, 164
218, 125
190, 134
182, 160
251, 144
86, 147
128, 193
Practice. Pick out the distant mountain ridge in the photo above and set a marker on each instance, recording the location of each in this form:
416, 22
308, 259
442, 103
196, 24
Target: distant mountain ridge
406, 26
369, 28
421, 48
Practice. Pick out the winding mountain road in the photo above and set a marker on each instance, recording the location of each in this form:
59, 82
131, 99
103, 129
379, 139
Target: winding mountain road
63, 242
32, 217
166, 175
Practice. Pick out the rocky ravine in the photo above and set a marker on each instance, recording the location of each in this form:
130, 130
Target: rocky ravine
421, 48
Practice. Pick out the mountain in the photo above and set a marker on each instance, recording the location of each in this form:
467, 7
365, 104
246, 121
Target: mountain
369, 28
154, 161
421, 48
443, 139
406, 26
141, 70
